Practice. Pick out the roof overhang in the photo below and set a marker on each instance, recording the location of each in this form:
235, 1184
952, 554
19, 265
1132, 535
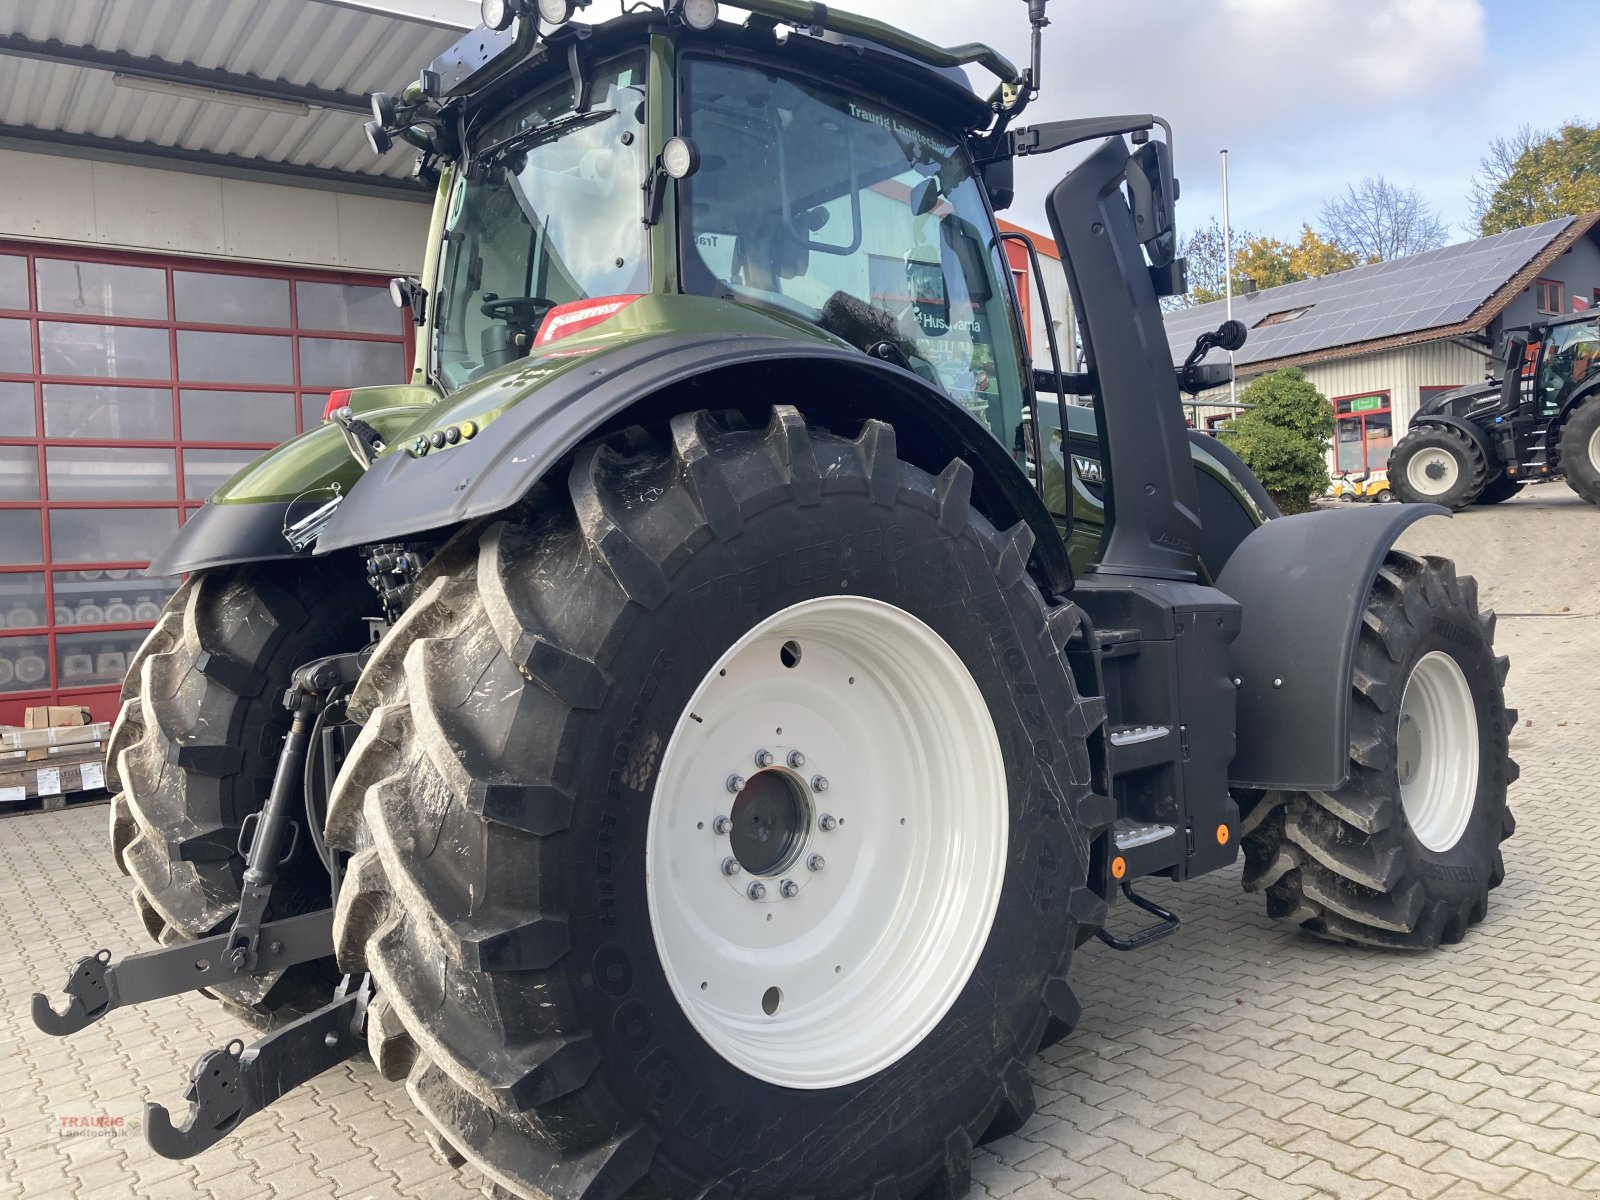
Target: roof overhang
253, 89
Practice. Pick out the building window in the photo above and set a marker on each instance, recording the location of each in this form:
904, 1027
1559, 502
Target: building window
1550, 296
131, 388
1287, 315
1363, 433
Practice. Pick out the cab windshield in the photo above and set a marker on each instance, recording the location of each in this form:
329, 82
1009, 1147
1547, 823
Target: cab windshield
550, 213
853, 218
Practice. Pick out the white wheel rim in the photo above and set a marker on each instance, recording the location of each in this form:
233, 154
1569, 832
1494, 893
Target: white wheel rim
869, 953
1437, 752
1594, 448
1433, 471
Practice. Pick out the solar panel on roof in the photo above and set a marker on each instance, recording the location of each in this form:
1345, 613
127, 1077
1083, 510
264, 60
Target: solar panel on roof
1406, 295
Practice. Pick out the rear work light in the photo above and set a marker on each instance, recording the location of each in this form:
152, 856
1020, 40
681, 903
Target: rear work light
564, 320
337, 399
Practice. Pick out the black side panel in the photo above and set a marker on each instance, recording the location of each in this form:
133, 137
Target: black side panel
1153, 523
220, 534
1303, 582
402, 496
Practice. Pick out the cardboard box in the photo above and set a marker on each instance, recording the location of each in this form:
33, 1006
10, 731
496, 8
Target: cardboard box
51, 737
52, 716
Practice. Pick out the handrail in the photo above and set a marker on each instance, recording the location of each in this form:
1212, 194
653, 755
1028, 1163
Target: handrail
823, 16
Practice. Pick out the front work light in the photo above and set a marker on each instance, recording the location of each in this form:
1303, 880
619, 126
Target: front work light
556, 12
496, 14
699, 15
680, 158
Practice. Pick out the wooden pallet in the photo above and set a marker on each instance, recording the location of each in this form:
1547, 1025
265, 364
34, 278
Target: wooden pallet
53, 784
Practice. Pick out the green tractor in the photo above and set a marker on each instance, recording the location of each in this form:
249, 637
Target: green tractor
687, 729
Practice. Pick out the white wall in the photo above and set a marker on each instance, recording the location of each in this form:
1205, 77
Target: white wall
59, 199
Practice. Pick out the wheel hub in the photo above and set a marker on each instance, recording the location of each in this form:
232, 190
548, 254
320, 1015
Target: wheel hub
1432, 471
1594, 449
827, 842
1436, 752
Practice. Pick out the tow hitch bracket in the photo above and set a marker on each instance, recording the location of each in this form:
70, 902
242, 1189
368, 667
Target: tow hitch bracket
96, 985
228, 1085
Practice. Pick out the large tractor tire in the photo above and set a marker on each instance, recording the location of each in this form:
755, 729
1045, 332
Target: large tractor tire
193, 751
1436, 464
1580, 450
1406, 852
720, 825
1499, 489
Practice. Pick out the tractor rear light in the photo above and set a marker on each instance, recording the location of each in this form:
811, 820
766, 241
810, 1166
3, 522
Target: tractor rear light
564, 320
337, 399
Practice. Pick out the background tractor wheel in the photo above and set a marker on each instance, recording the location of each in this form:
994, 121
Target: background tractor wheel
194, 747
1438, 465
1406, 852
1499, 489
720, 826
1580, 450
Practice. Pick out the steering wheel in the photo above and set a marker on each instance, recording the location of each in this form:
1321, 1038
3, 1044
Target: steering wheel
525, 311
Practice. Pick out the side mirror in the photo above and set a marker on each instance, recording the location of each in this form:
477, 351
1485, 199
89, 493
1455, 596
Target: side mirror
407, 292
1153, 191
925, 197
1000, 181
1511, 384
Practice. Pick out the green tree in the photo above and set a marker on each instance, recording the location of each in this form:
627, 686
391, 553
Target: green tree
1284, 437
1268, 262
1535, 176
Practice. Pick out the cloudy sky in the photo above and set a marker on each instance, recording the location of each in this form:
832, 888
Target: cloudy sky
1306, 95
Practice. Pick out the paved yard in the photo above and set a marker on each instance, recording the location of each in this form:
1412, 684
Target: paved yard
1238, 1058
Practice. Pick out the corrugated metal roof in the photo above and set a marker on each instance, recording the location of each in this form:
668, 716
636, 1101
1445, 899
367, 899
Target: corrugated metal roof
1443, 289
298, 42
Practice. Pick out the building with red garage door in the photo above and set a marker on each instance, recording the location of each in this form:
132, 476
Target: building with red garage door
195, 247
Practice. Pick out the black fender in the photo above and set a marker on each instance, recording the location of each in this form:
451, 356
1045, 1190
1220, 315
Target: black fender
1475, 432
402, 496
218, 535
1303, 584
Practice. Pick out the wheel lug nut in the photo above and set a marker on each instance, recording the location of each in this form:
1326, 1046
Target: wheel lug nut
796, 759
789, 889
757, 891
816, 862
764, 758
736, 784
722, 825
819, 783
827, 822
730, 866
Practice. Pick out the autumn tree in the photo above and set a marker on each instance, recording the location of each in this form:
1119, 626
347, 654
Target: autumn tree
1205, 249
1378, 221
1284, 437
1535, 175
1268, 262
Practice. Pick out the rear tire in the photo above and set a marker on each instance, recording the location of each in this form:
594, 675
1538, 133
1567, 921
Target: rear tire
1499, 489
1406, 852
523, 834
193, 750
1438, 464
1580, 450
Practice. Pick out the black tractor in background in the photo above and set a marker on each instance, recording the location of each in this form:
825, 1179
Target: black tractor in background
1483, 443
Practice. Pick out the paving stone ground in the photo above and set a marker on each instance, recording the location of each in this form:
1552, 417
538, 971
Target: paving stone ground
1236, 1059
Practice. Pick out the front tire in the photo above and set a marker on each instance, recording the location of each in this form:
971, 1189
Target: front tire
1438, 464
584, 995
1406, 852
1580, 450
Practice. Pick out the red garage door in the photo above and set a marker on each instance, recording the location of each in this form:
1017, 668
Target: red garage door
131, 387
